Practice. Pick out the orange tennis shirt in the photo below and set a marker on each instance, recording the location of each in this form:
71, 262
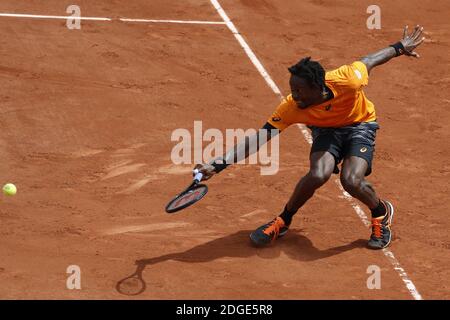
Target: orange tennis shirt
348, 106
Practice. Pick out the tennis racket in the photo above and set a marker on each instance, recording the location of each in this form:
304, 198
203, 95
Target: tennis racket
189, 196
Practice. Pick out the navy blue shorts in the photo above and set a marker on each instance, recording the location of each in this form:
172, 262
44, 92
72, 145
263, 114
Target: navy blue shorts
354, 140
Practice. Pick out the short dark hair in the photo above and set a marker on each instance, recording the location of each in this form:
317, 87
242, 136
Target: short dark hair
309, 70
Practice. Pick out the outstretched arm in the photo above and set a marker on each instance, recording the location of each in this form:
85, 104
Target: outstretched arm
240, 151
405, 46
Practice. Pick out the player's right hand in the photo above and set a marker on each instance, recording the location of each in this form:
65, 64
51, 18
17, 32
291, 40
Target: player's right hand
206, 169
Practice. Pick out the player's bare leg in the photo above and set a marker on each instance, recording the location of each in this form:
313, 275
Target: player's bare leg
354, 182
321, 167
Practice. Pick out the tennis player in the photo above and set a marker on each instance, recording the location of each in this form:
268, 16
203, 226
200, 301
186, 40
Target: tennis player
343, 124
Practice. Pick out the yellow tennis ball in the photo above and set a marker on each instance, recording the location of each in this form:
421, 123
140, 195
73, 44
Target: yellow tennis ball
9, 189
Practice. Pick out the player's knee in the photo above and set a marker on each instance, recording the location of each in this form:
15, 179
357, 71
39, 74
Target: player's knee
318, 177
351, 183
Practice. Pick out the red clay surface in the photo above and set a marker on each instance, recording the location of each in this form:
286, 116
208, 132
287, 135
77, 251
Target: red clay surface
87, 116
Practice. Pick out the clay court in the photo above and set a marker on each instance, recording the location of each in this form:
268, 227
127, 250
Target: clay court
87, 117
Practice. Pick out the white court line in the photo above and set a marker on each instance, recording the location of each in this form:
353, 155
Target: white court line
33, 16
359, 211
171, 21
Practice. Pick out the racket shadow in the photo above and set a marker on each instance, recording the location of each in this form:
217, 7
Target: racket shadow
237, 245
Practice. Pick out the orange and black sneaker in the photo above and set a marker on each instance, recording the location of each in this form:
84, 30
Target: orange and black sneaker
381, 228
269, 232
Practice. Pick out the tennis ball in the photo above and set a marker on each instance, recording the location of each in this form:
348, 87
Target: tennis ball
9, 189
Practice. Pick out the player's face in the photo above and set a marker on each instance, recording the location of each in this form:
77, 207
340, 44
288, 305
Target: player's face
302, 93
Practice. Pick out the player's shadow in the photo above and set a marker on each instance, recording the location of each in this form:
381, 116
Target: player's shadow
238, 245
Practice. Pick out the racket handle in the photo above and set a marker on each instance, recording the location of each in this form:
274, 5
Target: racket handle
198, 175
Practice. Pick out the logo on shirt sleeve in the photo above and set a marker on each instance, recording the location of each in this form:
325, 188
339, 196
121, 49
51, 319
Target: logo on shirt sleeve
358, 74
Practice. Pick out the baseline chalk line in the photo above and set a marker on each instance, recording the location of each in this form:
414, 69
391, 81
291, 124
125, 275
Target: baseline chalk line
34, 16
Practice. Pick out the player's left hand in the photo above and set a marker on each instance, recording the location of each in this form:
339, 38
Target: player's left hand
412, 41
